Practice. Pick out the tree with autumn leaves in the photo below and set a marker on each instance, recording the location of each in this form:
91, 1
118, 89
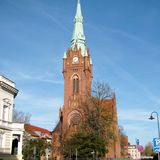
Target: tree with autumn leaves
95, 132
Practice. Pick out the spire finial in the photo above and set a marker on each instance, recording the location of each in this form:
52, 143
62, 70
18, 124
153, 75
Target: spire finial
78, 12
78, 37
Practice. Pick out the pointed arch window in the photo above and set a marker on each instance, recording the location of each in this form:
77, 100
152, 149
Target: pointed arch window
75, 84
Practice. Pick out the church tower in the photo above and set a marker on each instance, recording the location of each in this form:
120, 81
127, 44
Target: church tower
77, 72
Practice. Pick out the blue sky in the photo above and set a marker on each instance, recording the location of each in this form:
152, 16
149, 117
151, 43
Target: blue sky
124, 41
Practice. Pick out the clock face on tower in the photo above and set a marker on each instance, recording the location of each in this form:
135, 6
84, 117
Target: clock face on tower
75, 59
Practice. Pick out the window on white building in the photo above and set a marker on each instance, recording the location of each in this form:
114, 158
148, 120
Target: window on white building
1, 139
5, 113
6, 109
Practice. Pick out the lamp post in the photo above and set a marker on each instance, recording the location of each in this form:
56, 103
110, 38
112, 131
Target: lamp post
93, 154
151, 118
34, 152
76, 153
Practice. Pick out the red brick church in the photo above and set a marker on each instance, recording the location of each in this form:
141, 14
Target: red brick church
77, 72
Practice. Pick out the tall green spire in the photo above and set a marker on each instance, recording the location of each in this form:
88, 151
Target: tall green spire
78, 37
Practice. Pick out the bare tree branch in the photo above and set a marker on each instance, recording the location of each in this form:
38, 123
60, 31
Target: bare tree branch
21, 117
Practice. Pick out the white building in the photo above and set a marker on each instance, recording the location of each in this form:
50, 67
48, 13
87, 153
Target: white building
10, 133
133, 152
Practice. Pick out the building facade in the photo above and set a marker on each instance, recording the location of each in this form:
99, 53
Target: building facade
133, 152
10, 133
77, 72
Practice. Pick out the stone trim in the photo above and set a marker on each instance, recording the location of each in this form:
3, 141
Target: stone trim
9, 88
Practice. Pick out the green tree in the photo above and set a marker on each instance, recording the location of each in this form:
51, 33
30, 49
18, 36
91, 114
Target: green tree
37, 144
86, 145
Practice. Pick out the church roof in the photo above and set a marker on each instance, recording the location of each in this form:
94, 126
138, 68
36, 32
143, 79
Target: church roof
58, 127
37, 131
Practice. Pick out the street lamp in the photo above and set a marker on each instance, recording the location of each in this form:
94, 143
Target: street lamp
151, 118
